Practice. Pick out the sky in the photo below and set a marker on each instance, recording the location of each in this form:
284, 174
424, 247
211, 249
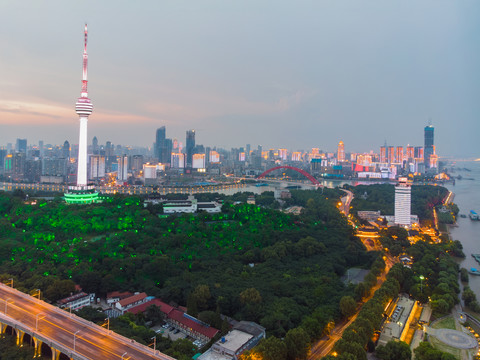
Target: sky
294, 74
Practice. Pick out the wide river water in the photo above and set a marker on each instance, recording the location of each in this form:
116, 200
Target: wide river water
467, 197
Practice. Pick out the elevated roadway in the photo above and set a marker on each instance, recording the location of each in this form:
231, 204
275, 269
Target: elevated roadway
66, 333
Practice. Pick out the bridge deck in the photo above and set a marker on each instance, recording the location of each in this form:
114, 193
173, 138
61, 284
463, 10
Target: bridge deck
76, 337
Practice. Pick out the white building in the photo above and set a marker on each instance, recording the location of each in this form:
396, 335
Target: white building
97, 166
122, 173
403, 201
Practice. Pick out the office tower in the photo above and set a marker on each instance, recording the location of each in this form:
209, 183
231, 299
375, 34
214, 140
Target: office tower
21, 146
33, 170
3, 154
95, 149
66, 150
341, 152
247, 149
190, 145
160, 143
122, 173
82, 193
428, 145
403, 203
167, 157
282, 154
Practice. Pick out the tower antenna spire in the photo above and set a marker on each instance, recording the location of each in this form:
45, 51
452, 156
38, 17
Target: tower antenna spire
85, 66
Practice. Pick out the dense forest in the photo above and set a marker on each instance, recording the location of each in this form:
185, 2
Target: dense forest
249, 262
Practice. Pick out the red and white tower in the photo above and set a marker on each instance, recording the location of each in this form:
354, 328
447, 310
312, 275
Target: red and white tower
84, 108
82, 193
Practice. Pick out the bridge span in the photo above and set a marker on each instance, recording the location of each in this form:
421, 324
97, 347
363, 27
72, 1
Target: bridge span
66, 335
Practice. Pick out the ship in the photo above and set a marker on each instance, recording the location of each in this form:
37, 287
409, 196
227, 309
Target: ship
474, 271
473, 215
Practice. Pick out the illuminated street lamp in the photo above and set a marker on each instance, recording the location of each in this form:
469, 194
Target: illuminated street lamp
421, 283
6, 303
74, 338
124, 354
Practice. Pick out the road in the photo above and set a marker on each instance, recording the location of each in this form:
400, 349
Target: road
80, 336
324, 346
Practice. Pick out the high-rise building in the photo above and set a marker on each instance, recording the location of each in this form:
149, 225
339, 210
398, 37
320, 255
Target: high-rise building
82, 193
66, 150
21, 146
178, 160
40, 147
341, 152
190, 145
160, 144
410, 152
383, 154
399, 154
391, 155
97, 166
403, 203
95, 149
428, 145
122, 173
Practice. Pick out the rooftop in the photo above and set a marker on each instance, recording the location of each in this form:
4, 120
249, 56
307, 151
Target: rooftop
132, 299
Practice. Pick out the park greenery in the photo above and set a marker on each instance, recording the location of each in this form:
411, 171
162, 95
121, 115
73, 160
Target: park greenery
249, 262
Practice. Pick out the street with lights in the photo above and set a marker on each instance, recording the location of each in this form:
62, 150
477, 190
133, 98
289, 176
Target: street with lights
82, 338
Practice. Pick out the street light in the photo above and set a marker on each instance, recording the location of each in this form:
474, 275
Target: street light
74, 338
11, 282
421, 283
124, 354
6, 303
154, 344
36, 320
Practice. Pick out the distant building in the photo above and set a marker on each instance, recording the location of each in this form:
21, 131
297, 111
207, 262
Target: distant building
97, 166
122, 173
428, 145
190, 145
341, 152
131, 301
403, 203
21, 146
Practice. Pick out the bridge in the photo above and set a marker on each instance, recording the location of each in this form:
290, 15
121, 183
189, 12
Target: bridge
303, 172
64, 335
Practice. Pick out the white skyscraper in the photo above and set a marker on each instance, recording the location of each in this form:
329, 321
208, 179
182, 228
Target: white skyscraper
403, 200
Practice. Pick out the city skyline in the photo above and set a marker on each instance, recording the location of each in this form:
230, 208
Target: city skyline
278, 75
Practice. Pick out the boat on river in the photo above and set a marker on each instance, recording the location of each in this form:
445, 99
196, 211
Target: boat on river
473, 215
474, 271
476, 257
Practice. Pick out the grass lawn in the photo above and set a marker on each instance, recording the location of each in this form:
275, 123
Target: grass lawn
446, 323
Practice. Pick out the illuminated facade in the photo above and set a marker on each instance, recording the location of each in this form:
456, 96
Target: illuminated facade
198, 161
403, 195
383, 154
214, 157
82, 193
399, 154
341, 152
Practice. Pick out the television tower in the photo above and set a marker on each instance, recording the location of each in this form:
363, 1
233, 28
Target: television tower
83, 193
84, 108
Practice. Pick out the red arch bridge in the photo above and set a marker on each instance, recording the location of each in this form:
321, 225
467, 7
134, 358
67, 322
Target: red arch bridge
303, 172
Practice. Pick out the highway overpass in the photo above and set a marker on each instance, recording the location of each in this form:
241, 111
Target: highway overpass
65, 335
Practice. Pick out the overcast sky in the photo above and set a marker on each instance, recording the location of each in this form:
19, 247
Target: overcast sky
296, 74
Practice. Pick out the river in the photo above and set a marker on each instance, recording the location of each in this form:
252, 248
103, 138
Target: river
467, 197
